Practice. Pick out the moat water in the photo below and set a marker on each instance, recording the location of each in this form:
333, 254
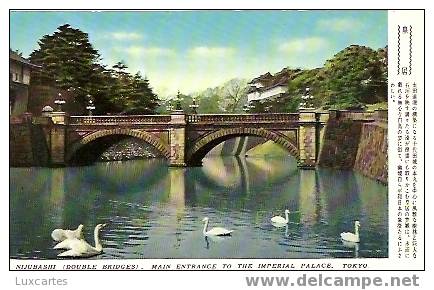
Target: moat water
154, 211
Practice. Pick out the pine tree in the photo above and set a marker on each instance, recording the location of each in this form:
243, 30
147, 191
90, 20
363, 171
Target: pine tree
141, 98
120, 88
68, 62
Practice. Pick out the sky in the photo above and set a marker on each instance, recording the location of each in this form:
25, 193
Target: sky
192, 50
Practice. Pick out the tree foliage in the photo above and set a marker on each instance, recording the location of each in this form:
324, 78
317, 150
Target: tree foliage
353, 78
234, 93
230, 97
70, 63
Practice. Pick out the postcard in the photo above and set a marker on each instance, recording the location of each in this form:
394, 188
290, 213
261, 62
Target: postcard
165, 142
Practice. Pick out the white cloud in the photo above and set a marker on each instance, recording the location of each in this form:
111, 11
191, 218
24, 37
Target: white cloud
122, 35
211, 51
303, 45
137, 51
339, 24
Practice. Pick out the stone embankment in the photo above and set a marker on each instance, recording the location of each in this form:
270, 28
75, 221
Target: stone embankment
362, 146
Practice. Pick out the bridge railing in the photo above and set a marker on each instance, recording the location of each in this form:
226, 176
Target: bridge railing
359, 115
116, 120
221, 118
242, 118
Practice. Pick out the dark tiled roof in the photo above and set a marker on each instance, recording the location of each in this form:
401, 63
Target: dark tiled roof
261, 78
280, 78
16, 57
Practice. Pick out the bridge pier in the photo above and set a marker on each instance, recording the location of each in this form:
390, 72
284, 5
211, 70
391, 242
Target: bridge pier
57, 138
307, 139
177, 135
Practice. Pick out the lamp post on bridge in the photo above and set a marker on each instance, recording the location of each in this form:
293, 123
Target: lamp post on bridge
247, 107
59, 102
90, 105
178, 106
307, 101
194, 106
59, 117
169, 105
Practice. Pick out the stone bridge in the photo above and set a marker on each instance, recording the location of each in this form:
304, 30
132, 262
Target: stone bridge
185, 139
182, 139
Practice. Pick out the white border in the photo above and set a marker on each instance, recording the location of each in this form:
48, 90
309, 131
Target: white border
179, 279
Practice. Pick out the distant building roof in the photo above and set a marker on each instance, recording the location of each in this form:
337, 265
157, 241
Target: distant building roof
269, 81
261, 78
16, 57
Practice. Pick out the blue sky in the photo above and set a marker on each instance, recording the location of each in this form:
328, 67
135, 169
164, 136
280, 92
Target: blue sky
193, 50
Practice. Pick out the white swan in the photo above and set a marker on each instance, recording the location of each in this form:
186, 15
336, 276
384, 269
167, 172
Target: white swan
214, 231
280, 220
60, 235
80, 248
350, 237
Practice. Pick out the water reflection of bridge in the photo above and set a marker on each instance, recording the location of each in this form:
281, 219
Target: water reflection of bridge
86, 195
314, 193
218, 174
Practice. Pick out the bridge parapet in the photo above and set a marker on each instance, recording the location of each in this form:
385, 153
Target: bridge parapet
116, 120
242, 118
366, 116
381, 115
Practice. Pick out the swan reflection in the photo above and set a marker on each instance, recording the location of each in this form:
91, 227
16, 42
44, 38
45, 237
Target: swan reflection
215, 239
279, 225
352, 245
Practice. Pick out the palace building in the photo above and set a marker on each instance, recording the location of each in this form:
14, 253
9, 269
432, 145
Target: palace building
19, 81
269, 87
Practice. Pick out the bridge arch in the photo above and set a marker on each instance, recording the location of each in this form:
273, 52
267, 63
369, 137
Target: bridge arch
149, 138
201, 147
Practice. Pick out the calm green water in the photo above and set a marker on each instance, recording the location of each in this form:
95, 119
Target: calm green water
154, 211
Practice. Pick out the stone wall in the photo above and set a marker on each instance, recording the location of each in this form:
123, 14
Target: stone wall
340, 143
357, 145
20, 145
372, 155
20, 94
27, 144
